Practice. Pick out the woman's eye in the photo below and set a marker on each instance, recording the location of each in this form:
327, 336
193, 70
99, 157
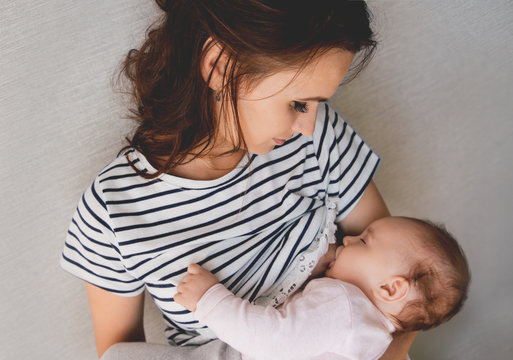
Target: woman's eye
301, 107
363, 241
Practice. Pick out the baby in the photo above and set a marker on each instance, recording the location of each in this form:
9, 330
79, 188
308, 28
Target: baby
400, 274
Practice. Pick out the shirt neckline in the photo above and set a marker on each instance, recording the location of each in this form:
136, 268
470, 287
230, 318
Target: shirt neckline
239, 169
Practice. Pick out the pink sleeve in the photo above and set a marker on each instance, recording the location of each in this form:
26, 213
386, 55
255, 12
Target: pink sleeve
302, 327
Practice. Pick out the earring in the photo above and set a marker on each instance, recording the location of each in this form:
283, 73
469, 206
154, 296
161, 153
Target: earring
218, 98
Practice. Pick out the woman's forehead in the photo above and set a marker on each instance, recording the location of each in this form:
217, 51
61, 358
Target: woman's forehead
317, 81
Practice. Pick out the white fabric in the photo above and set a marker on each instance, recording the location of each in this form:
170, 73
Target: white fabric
329, 319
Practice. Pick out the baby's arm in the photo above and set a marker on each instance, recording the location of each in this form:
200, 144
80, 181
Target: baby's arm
301, 328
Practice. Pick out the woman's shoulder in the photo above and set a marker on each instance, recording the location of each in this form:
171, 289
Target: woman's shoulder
124, 170
329, 124
127, 161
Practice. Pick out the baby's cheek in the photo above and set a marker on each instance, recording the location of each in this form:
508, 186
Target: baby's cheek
323, 262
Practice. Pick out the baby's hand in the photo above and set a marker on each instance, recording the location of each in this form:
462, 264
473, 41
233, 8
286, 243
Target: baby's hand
193, 286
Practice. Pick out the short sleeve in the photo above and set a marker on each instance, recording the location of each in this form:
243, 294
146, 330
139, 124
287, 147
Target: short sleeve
90, 251
346, 161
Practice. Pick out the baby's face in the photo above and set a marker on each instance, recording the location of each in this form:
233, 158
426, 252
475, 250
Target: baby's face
379, 252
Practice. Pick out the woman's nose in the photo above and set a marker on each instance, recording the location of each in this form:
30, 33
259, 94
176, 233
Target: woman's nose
304, 124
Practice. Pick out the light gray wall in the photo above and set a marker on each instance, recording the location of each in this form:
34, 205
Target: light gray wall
436, 103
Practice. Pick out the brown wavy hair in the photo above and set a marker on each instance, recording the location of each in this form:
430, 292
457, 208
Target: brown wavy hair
441, 278
174, 105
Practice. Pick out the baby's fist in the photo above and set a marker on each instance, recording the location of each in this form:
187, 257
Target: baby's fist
193, 286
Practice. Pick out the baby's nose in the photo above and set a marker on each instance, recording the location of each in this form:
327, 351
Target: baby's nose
345, 240
348, 240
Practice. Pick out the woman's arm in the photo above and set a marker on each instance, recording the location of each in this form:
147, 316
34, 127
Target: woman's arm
115, 318
372, 207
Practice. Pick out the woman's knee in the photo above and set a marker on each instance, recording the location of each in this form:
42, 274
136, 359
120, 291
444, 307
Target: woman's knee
124, 351
111, 353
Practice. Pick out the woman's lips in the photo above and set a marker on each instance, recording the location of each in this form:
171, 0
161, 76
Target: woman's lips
278, 142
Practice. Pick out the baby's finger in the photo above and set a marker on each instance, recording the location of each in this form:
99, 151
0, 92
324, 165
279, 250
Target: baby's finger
193, 269
181, 287
178, 298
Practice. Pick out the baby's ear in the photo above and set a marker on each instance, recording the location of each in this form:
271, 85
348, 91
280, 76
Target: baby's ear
395, 288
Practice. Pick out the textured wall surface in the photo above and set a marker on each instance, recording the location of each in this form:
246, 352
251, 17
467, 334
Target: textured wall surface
436, 103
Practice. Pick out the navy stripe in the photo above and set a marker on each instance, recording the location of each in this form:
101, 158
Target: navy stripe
323, 133
95, 216
259, 258
347, 148
332, 148
362, 190
259, 285
270, 240
178, 243
128, 188
256, 244
357, 175
72, 248
350, 166
167, 299
208, 195
182, 255
172, 322
138, 199
93, 228
237, 178
98, 198
210, 208
108, 258
94, 241
118, 177
102, 276
293, 252
160, 286
118, 166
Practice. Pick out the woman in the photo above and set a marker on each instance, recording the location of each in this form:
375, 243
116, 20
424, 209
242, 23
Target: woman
237, 163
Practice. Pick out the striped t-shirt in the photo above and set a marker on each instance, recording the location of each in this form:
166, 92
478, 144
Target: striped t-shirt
248, 227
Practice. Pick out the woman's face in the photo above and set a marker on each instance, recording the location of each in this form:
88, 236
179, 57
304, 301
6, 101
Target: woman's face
286, 102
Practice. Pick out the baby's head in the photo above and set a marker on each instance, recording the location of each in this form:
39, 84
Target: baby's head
412, 270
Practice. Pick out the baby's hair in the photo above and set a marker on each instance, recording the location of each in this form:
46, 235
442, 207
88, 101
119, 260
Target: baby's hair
441, 279
174, 105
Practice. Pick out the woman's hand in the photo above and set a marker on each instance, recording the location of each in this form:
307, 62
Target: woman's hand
193, 286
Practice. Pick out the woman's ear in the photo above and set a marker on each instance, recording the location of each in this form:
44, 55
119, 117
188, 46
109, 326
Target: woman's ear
395, 288
213, 64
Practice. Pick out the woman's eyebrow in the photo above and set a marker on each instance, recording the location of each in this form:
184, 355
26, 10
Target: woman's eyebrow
315, 98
